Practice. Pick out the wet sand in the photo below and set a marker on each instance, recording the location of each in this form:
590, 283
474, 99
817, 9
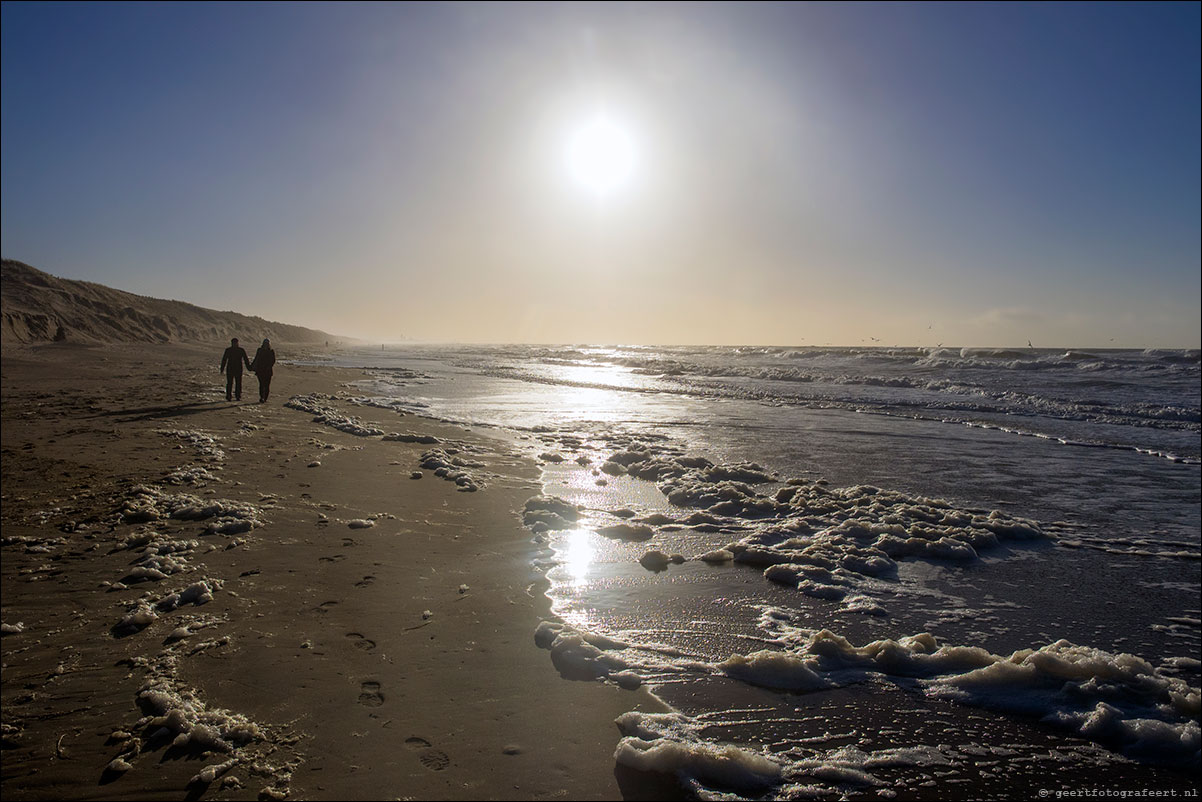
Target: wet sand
334, 659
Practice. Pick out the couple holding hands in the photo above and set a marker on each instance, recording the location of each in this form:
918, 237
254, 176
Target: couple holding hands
231, 364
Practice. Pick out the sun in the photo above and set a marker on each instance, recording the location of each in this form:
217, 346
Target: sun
601, 156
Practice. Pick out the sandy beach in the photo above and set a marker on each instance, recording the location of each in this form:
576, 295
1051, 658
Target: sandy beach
719, 401
234, 601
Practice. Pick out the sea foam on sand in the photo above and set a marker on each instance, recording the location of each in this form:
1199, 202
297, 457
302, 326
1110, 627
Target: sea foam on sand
828, 543
147, 503
838, 544
669, 743
1118, 700
314, 404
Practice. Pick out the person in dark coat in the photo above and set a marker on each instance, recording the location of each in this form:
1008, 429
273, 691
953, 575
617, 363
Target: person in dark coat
231, 364
264, 362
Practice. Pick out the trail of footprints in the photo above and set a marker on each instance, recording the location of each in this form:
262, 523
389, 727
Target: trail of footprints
433, 759
371, 692
371, 695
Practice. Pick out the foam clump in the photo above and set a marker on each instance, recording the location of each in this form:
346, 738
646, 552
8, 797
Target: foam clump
882, 523
197, 593
328, 416
136, 619
206, 445
1118, 700
655, 561
161, 559
669, 743
913, 656
409, 437
12, 629
180, 711
147, 503
624, 531
581, 655
644, 463
144, 612
446, 464
717, 556
852, 766
773, 669
549, 513
860, 603
828, 542
193, 475
210, 773
137, 540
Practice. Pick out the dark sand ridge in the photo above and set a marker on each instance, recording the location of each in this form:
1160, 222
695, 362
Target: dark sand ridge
38, 307
319, 635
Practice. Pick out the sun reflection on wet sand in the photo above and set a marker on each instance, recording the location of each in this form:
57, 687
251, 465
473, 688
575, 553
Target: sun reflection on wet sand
578, 555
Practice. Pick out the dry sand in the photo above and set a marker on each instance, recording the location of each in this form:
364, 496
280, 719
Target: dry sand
388, 662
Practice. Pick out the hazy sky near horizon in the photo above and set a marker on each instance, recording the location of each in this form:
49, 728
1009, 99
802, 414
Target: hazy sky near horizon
790, 174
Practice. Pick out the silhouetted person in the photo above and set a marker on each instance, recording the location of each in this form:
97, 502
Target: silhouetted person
264, 361
231, 362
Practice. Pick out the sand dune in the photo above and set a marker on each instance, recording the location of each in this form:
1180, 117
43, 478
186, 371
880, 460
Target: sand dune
38, 307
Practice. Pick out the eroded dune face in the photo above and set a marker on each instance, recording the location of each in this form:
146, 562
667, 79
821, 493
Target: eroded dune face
38, 307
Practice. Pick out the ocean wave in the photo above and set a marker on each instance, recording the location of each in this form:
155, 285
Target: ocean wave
1117, 398
1187, 357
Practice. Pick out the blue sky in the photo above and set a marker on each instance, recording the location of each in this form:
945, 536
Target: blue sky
978, 174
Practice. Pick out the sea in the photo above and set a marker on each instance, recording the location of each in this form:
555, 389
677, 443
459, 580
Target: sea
858, 573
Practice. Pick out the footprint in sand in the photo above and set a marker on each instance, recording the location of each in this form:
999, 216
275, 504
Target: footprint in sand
427, 755
337, 558
365, 581
434, 759
369, 694
366, 644
324, 607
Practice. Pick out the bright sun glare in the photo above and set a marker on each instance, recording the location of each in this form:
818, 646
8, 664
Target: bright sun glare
601, 156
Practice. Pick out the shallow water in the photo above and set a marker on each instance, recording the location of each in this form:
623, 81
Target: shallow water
1098, 451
